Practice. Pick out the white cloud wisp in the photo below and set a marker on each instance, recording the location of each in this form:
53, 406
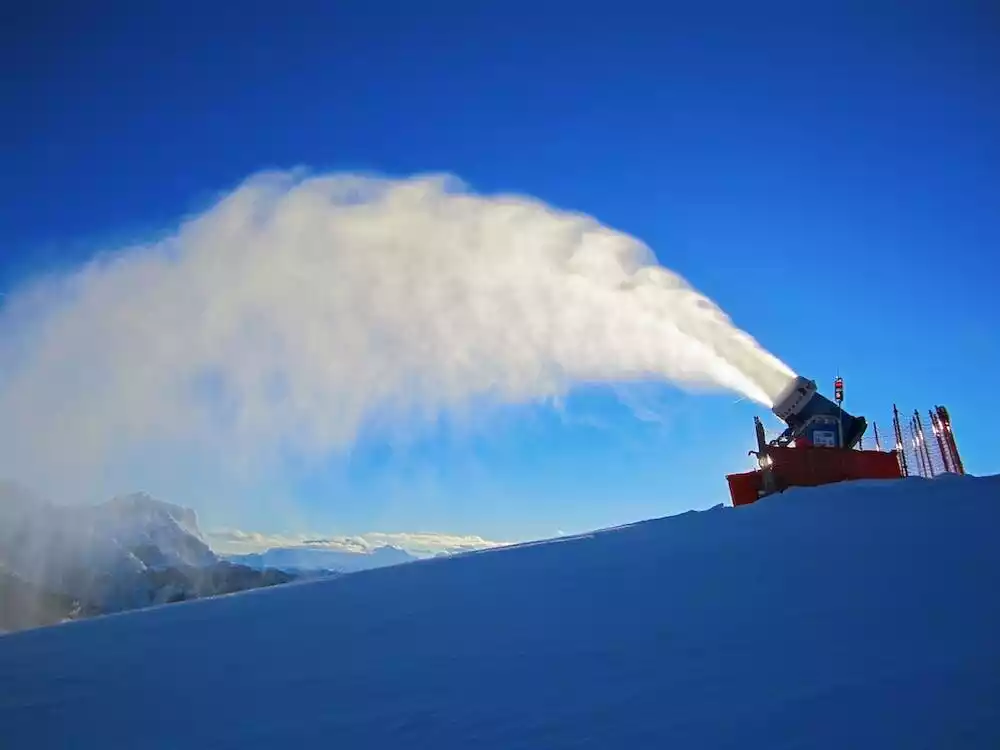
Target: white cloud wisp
419, 544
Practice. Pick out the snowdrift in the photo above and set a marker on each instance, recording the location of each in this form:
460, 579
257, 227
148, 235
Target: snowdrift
860, 615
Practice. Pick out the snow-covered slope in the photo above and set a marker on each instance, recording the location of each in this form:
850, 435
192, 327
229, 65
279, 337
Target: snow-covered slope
854, 616
323, 558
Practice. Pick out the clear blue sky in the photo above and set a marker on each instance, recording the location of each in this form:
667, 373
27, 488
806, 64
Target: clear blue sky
831, 179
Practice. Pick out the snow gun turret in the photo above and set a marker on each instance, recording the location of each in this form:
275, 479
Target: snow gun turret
813, 419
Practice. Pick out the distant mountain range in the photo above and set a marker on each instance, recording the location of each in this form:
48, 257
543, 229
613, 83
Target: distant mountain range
64, 562
132, 532
313, 558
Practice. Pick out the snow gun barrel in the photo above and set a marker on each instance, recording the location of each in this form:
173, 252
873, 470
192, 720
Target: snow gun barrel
812, 416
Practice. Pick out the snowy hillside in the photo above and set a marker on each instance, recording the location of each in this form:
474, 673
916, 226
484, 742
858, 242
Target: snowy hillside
851, 616
307, 558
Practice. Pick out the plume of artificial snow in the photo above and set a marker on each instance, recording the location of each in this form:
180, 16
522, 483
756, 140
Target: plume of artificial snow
298, 310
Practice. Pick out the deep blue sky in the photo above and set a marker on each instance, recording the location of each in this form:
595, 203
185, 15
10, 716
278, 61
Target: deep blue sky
831, 179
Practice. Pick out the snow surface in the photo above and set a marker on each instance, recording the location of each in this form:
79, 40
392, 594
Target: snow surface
859, 615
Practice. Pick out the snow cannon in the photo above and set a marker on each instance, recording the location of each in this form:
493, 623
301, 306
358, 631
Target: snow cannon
819, 447
814, 419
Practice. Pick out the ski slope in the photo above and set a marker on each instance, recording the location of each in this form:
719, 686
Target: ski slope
860, 615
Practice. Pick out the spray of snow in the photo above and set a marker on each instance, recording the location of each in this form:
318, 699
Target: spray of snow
300, 309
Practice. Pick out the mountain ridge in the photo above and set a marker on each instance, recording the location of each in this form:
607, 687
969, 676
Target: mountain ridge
128, 552
308, 557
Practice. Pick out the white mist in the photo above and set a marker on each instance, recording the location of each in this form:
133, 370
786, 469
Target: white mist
297, 310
